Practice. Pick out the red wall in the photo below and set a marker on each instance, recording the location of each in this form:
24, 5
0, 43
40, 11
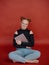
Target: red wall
12, 10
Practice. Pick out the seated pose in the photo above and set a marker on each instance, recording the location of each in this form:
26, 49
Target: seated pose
24, 52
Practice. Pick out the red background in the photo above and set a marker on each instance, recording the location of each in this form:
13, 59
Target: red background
12, 10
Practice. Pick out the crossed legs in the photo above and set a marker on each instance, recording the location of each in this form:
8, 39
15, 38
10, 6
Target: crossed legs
25, 55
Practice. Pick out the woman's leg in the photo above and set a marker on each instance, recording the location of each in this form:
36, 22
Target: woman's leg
35, 54
23, 55
17, 56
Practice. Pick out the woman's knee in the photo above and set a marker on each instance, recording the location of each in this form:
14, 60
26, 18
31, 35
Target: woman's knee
38, 53
10, 55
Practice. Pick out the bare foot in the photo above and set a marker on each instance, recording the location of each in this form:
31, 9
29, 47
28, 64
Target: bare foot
32, 61
14, 61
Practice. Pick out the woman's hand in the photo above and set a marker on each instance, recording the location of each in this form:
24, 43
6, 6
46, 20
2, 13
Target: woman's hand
28, 47
18, 42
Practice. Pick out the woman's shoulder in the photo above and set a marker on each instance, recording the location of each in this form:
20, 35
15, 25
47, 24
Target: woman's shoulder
30, 31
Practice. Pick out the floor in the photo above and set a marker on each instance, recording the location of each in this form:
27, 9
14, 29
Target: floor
5, 49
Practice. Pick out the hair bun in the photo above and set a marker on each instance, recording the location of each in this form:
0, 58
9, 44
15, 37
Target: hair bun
22, 18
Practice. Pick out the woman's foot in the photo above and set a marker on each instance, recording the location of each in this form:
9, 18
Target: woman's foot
29, 61
32, 61
14, 61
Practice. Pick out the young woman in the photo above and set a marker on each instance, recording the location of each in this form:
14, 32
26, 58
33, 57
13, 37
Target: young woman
24, 53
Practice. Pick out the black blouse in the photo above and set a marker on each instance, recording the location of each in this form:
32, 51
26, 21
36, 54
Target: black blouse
27, 34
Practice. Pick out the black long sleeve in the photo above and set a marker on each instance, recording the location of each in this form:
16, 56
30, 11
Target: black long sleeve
30, 38
30, 43
14, 42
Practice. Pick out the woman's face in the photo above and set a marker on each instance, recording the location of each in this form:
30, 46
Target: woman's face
24, 24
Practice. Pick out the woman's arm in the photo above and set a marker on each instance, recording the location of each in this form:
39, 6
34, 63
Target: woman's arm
14, 41
31, 40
